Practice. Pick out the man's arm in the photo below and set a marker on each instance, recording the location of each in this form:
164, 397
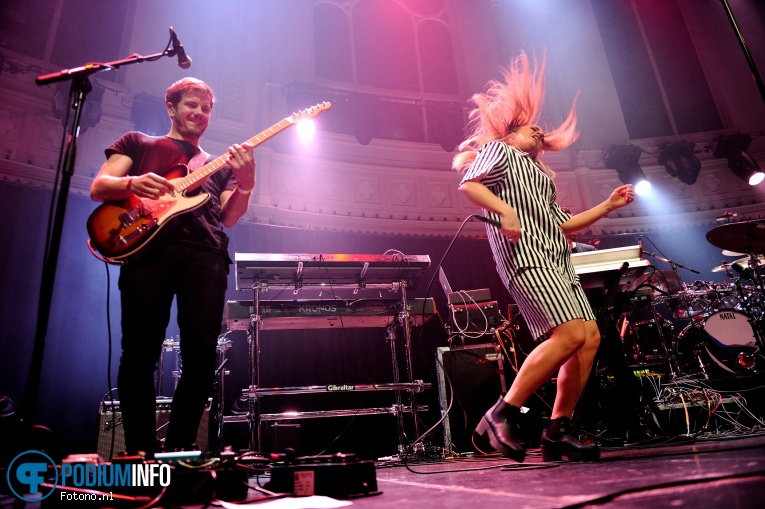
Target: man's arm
235, 203
113, 182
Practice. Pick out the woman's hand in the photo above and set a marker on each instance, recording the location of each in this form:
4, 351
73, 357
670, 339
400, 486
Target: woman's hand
621, 196
511, 226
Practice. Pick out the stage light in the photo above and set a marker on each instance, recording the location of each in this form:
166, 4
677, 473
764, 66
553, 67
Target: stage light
306, 129
733, 147
624, 159
679, 161
642, 188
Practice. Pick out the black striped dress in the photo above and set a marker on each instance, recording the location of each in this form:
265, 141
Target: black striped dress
537, 270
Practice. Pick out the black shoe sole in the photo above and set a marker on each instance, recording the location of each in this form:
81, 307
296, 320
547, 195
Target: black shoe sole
554, 451
484, 429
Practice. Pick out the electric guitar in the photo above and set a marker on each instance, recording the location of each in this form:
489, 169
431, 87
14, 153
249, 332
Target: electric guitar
121, 228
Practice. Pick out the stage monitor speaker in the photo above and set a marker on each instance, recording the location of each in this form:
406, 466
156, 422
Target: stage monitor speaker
475, 374
110, 422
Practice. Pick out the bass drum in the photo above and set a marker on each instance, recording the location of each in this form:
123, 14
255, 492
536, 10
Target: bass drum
722, 344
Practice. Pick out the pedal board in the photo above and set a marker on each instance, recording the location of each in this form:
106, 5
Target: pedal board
338, 476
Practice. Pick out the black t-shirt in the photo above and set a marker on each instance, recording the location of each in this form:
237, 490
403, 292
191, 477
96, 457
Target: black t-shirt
157, 154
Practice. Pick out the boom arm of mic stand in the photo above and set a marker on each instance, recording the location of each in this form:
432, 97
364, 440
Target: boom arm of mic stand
670, 262
92, 68
747, 54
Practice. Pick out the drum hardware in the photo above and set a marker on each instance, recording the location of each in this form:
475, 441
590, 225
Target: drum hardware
726, 296
749, 267
672, 278
645, 340
748, 238
223, 345
168, 345
691, 301
650, 341
667, 284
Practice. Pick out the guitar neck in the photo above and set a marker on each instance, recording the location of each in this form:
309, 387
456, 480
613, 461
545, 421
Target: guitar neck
219, 162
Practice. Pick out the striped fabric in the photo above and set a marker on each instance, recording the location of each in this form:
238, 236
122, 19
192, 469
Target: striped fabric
537, 270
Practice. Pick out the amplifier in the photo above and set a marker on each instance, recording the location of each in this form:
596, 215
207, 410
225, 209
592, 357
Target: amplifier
483, 317
474, 375
110, 423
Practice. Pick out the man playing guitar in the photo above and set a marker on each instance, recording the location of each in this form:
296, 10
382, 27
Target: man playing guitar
189, 261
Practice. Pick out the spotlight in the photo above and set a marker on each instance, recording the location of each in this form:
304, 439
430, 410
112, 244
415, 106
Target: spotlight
624, 159
643, 187
733, 147
679, 161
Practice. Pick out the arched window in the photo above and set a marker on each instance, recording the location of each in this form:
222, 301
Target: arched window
392, 64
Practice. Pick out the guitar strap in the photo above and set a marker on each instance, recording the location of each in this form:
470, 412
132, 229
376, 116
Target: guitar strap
199, 160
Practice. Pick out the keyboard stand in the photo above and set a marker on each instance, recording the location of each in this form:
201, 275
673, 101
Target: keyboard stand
404, 319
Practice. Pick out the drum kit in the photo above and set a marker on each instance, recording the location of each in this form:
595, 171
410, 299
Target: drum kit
703, 329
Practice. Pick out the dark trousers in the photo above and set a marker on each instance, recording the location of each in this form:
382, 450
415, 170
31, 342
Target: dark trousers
198, 280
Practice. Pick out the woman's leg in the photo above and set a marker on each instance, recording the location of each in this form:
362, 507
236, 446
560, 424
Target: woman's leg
500, 423
574, 373
565, 342
559, 440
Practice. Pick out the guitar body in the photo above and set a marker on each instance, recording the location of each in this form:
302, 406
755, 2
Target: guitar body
120, 228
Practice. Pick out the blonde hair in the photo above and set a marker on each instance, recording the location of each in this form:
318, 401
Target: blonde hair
509, 104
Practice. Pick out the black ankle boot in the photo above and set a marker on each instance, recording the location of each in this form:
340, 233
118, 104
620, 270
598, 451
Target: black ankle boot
558, 441
500, 424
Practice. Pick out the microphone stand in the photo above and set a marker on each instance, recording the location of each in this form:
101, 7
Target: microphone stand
673, 265
747, 54
80, 88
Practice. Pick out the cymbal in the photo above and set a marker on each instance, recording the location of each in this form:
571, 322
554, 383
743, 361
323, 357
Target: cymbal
725, 267
667, 280
725, 252
739, 237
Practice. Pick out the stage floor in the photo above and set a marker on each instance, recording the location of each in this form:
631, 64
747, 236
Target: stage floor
715, 472
704, 473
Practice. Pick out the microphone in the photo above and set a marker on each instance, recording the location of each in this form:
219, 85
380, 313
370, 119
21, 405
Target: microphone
488, 220
184, 61
744, 272
654, 255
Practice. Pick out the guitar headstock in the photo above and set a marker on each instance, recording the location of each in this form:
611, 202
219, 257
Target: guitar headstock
309, 112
